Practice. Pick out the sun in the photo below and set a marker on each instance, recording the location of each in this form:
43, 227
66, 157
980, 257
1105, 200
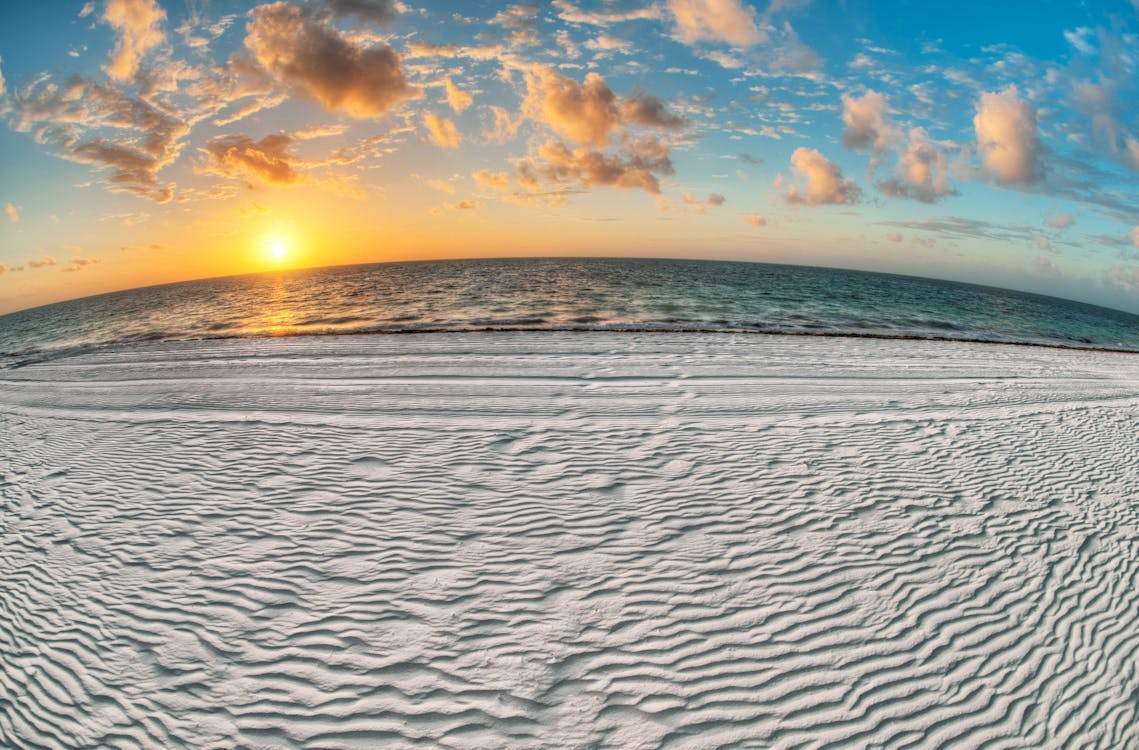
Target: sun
278, 249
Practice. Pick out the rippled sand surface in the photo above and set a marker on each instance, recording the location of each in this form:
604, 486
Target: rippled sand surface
563, 540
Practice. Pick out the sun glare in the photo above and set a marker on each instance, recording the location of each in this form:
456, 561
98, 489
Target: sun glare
278, 250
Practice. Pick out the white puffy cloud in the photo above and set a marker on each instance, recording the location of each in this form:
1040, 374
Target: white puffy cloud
138, 25
716, 21
866, 128
821, 181
443, 131
303, 51
1007, 141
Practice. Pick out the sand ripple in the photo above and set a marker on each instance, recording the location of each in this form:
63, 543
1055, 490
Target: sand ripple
572, 541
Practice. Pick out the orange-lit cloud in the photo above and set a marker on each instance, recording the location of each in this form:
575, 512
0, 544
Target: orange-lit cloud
106, 128
13, 213
137, 24
821, 181
458, 99
716, 21
1005, 127
266, 160
42, 262
499, 181
586, 113
589, 113
637, 166
443, 131
343, 75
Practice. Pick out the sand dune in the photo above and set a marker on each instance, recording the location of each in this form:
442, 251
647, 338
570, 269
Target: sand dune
571, 541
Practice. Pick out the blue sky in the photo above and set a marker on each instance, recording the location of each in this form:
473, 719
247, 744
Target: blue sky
147, 142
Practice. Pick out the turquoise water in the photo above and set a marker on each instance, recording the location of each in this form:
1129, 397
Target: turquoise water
561, 294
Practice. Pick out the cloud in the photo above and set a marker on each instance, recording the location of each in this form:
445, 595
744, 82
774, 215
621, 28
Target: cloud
1135, 237
1124, 277
459, 100
377, 11
443, 131
78, 264
503, 127
866, 128
715, 21
520, 20
922, 172
443, 186
499, 181
1060, 221
103, 127
137, 23
42, 262
1007, 140
3, 86
13, 213
1043, 243
570, 13
329, 66
821, 181
699, 206
1131, 150
589, 113
1045, 267
586, 113
638, 165
955, 227
263, 161
754, 219
650, 111
609, 43
895, 237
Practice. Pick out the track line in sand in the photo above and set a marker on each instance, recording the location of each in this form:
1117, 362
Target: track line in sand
570, 540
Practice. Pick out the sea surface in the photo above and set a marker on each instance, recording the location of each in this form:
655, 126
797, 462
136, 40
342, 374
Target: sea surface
563, 294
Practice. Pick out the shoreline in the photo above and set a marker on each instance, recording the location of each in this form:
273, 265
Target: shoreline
23, 358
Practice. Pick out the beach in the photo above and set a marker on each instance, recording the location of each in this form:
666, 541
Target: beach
570, 540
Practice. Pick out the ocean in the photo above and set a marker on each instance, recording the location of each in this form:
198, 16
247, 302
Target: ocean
563, 294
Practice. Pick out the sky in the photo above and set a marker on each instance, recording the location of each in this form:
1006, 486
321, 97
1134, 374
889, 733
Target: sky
147, 142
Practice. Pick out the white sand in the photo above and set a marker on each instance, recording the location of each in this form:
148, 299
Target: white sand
572, 541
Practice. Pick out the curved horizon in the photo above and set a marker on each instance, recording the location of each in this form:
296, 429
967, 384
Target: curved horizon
694, 259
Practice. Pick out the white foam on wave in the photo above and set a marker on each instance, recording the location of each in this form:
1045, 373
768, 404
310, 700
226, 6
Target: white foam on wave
570, 540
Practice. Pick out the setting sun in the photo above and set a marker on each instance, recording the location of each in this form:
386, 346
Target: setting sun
278, 250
